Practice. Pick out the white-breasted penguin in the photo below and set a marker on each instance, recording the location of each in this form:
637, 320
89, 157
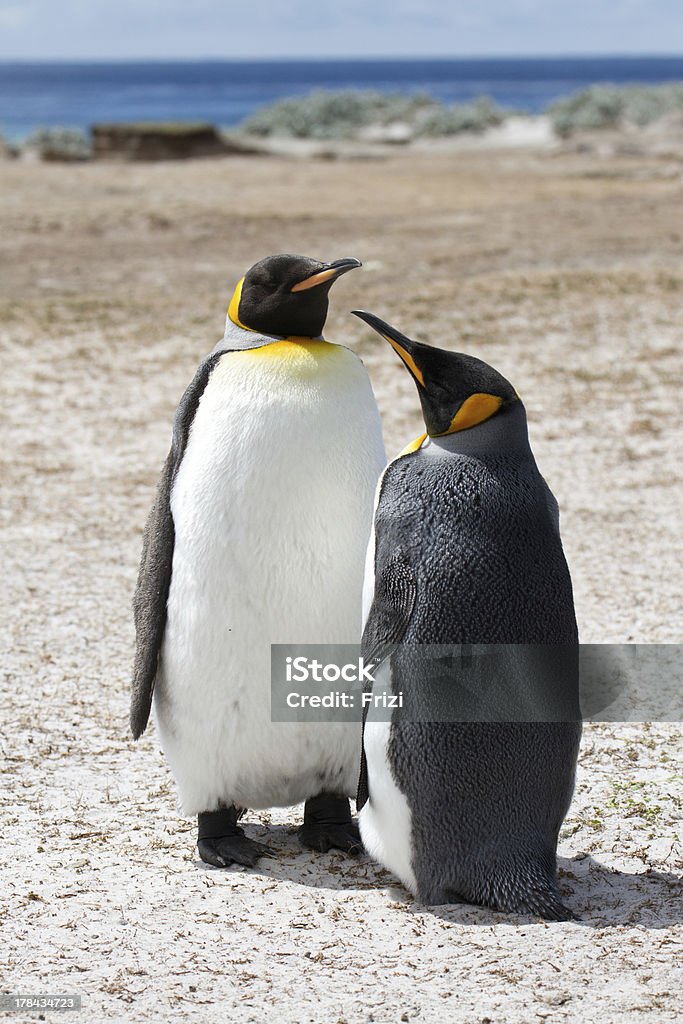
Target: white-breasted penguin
463, 791
258, 536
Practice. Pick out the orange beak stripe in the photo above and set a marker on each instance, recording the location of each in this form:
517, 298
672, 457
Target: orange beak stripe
407, 359
316, 279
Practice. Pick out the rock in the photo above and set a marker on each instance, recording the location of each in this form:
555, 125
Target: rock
159, 141
7, 150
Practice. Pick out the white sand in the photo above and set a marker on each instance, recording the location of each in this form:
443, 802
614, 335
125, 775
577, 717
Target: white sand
104, 895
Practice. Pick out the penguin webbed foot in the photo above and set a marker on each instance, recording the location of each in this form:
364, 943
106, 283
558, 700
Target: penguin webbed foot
328, 825
222, 851
221, 842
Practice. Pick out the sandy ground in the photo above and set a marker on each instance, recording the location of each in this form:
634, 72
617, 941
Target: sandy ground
564, 270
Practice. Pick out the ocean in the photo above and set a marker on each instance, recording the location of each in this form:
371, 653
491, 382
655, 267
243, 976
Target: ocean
78, 94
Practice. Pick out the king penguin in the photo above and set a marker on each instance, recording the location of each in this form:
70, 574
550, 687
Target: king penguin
465, 556
258, 537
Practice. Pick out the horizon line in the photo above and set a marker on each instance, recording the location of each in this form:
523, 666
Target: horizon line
341, 58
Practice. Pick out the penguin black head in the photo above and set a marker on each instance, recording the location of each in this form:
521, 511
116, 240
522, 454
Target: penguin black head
456, 391
286, 295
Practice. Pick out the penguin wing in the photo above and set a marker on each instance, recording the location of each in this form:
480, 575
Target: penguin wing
154, 576
392, 606
388, 619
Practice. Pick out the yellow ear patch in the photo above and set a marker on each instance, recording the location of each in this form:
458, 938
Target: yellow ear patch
475, 409
407, 359
234, 307
413, 446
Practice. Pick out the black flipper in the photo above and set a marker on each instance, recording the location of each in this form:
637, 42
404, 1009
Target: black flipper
392, 607
154, 576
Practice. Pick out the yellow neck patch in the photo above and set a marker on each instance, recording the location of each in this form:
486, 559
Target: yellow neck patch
413, 446
233, 308
306, 361
474, 410
294, 347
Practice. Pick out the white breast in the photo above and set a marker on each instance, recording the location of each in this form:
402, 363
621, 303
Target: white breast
385, 821
272, 511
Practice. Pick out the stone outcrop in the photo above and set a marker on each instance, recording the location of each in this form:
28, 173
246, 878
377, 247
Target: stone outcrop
163, 141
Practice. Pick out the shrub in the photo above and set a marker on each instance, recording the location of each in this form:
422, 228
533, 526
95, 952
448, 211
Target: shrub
611, 106
476, 116
7, 150
336, 115
59, 144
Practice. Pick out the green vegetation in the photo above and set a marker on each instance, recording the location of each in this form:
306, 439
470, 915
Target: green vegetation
59, 144
632, 800
611, 106
332, 115
476, 116
342, 115
7, 150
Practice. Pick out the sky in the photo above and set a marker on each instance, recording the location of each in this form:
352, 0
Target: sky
231, 29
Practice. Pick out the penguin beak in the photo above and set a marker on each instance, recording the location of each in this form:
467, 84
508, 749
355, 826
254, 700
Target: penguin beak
405, 348
330, 272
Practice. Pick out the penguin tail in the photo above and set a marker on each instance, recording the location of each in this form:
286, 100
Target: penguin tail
525, 885
523, 879
531, 891
547, 905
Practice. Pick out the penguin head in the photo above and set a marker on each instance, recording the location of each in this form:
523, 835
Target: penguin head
456, 391
286, 295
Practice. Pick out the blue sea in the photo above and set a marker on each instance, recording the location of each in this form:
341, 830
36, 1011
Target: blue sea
225, 92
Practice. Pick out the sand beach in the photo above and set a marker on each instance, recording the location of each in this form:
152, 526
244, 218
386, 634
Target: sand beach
561, 265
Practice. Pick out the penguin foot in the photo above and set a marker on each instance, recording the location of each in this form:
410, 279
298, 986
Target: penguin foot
222, 851
221, 842
331, 837
328, 825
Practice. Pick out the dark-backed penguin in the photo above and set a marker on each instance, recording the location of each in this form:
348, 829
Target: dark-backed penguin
466, 557
258, 536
